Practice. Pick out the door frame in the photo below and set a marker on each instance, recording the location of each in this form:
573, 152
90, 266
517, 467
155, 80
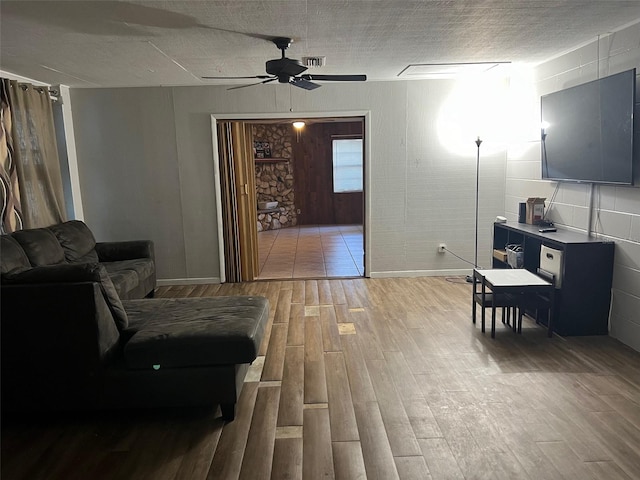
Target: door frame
255, 118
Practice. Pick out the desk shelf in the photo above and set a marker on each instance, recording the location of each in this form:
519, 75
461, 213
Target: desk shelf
582, 304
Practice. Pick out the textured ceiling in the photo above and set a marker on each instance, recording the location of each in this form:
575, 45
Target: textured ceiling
135, 43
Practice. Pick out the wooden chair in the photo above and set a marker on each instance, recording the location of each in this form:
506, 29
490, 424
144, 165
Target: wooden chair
539, 302
507, 302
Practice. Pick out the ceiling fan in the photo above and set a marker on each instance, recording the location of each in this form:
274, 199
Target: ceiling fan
289, 70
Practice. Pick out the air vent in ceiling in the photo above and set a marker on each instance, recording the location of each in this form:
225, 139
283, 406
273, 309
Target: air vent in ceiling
313, 62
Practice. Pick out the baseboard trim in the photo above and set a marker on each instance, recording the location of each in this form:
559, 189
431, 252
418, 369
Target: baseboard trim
187, 281
401, 273
421, 273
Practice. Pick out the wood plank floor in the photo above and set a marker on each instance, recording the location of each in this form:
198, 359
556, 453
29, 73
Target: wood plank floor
371, 379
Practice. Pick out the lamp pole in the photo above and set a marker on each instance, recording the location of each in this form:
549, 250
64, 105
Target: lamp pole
478, 143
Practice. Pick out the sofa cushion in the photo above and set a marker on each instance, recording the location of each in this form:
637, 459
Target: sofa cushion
189, 332
78, 272
124, 281
13, 256
124, 250
128, 274
41, 246
77, 241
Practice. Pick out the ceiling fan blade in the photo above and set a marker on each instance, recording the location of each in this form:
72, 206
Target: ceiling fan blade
237, 78
252, 84
303, 83
335, 78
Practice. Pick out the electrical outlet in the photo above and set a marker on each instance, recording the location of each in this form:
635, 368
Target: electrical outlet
442, 248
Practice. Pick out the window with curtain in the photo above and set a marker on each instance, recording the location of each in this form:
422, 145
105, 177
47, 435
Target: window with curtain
347, 165
31, 169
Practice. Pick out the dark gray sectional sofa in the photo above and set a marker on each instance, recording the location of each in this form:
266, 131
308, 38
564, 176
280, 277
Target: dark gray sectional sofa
77, 332
130, 265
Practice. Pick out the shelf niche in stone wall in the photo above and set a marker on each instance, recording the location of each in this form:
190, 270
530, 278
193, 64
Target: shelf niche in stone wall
271, 160
269, 210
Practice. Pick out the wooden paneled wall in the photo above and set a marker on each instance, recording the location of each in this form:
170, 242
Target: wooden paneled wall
312, 156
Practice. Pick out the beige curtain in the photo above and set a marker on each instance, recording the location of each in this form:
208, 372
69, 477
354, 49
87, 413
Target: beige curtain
37, 197
237, 175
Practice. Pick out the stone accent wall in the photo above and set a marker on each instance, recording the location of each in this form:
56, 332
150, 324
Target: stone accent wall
275, 181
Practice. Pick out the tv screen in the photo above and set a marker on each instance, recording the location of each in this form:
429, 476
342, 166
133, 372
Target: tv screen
587, 131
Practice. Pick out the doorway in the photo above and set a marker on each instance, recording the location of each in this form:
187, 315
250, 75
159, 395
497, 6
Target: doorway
326, 235
321, 180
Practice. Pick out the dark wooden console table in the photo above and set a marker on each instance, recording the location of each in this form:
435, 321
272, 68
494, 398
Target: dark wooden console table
582, 303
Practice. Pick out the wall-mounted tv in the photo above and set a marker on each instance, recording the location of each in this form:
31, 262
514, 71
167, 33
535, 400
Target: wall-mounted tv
587, 131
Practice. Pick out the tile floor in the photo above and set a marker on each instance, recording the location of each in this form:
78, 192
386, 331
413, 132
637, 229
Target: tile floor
311, 251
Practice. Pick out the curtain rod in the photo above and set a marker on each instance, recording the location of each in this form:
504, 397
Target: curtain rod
52, 91
54, 94
24, 86
40, 88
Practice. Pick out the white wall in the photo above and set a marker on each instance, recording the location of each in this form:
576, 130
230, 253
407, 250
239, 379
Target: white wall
616, 209
145, 162
129, 172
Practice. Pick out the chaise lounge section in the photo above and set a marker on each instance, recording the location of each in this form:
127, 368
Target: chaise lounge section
70, 342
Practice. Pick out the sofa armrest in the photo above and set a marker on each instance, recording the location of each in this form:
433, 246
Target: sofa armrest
56, 328
60, 273
70, 273
56, 341
129, 250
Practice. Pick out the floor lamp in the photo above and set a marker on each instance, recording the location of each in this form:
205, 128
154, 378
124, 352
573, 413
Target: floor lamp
475, 257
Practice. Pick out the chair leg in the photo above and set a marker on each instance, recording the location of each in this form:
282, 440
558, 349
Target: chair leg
520, 320
493, 322
537, 316
484, 298
473, 308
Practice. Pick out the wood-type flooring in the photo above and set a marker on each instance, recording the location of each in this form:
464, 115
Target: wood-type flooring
370, 379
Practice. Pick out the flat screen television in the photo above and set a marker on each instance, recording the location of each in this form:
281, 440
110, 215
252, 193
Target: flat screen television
587, 131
